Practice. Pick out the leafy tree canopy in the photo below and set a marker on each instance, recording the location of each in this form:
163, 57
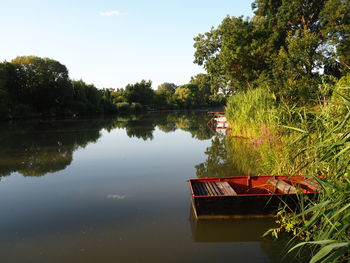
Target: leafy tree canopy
42, 83
140, 92
287, 44
167, 86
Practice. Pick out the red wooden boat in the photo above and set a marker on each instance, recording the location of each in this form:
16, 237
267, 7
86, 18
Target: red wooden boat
248, 196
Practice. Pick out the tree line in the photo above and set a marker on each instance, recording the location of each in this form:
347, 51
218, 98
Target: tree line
31, 85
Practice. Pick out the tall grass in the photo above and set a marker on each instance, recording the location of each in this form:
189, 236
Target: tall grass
327, 227
251, 112
257, 116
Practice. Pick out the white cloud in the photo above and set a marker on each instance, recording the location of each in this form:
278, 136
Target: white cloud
111, 13
116, 196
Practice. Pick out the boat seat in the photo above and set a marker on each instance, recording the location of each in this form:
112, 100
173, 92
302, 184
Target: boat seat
283, 186
226, 188
213, 189
310, 183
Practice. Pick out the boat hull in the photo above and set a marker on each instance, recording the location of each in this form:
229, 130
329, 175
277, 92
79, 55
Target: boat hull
243, 206
250, 197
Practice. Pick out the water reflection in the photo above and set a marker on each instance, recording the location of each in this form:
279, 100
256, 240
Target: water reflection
220, 161
38, 147
34, 148
223, 230
245, 231
230, 156
121, 187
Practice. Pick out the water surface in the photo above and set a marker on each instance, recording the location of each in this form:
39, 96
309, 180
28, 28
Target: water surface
115, 190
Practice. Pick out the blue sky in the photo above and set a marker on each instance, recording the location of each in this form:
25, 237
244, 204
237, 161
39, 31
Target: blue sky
113, 43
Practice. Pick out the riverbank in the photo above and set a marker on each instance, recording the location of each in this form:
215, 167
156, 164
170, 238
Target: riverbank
45, 116
311, 140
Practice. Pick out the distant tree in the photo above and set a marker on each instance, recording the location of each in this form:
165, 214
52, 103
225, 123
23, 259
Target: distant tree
187, 95
119, 95
87, 98
182, 96
163, 97
7, 74
140, 92
171, 87
42, 83
107, 94
205, 87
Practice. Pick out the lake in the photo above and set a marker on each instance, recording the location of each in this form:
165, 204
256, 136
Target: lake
115, 190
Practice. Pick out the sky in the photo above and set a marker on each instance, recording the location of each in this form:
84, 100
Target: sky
111, 43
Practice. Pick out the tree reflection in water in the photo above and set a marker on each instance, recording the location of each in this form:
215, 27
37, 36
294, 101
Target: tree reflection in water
230, 156
37, 147
34, 148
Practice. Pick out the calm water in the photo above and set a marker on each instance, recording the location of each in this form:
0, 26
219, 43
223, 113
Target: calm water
115, 190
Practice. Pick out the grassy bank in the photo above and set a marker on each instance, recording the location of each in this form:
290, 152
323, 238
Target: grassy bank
313, 140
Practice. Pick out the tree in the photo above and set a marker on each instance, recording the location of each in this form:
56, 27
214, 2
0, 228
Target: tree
87, 98
163, 97
171, 87
287, 44
206, 88
7, 73
233, 53
187, 95
140, 92
308, 37
42, 83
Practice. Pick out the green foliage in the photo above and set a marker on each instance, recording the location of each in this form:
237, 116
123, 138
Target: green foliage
34, 86
288, 45
182, 96
208, 90
4, 96
166, 86
88, 99
41, 83
140, 92
123, 107
163, 97
188, 95
234, 52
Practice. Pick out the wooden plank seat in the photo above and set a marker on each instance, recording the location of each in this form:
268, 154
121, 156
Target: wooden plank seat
311, 183
283, 186
198, 189
213, 188
225, 188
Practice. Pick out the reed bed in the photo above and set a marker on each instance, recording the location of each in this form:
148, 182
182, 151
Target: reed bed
312, 140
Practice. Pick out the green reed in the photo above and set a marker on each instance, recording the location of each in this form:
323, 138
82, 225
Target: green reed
327, 224
310, 140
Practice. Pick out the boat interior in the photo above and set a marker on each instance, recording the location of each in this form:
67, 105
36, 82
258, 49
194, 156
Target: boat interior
253, 185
